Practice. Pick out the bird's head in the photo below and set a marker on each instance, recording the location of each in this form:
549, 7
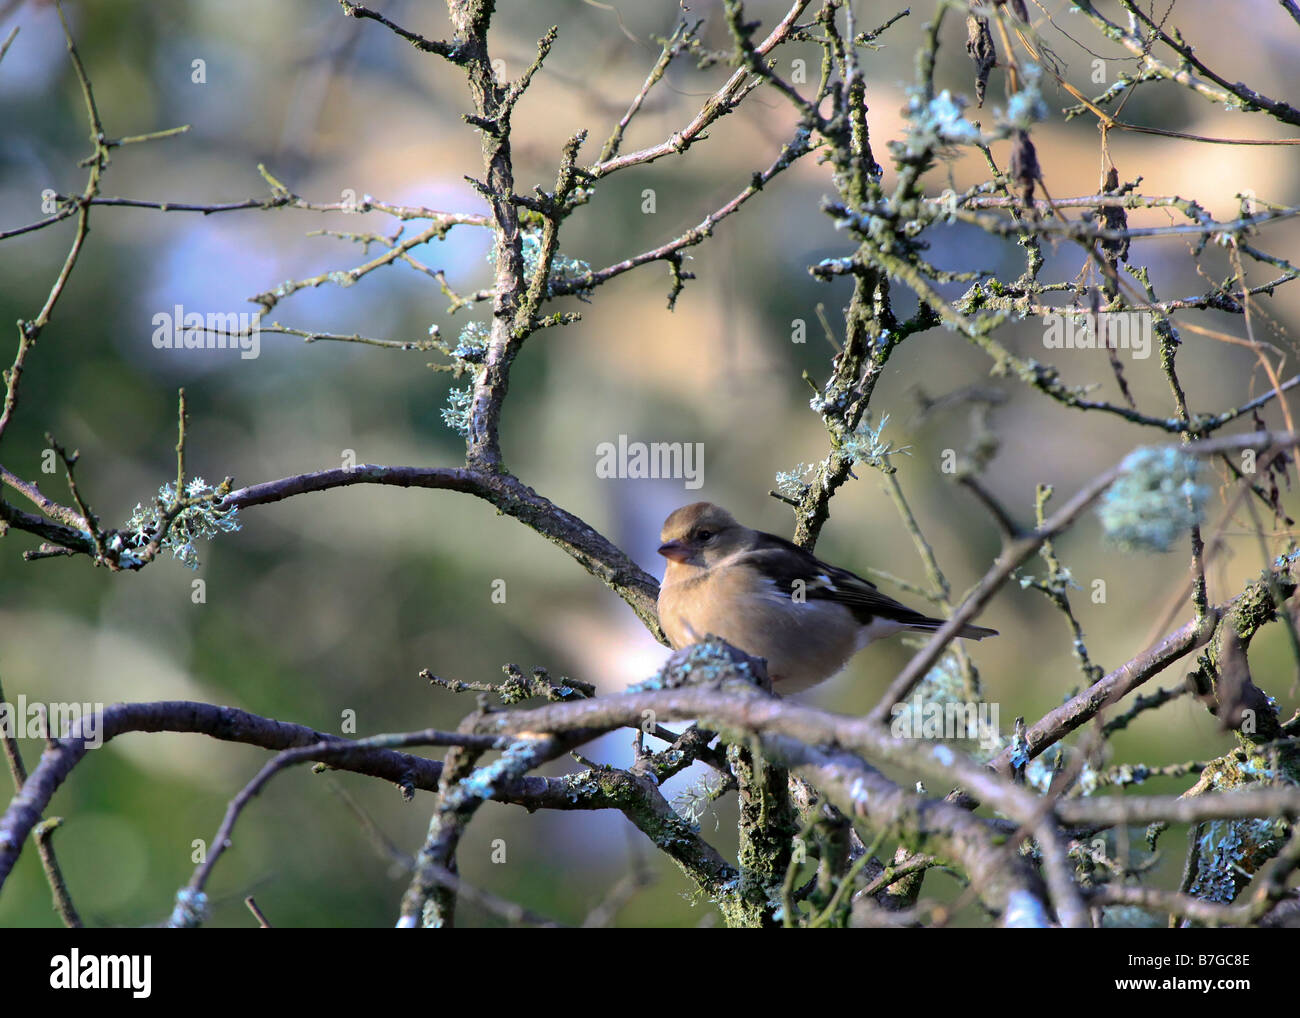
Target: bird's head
701, 534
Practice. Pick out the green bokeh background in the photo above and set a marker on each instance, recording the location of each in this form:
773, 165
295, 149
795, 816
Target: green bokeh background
333, 602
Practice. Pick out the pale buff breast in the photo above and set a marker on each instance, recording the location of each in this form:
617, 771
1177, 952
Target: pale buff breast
771, 622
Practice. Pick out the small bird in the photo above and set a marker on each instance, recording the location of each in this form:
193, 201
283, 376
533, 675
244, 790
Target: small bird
770, 598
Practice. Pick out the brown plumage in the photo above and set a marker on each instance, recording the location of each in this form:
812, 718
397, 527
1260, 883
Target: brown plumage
772, 599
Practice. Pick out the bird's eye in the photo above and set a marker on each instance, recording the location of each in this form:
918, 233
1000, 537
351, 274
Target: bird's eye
704, 535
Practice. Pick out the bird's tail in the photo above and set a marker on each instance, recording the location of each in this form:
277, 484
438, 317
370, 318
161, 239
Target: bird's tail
976, 632
968, 631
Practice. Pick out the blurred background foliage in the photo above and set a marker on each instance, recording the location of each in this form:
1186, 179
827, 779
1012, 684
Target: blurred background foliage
334, 602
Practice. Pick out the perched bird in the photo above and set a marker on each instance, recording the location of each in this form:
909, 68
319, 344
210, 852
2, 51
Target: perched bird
770, 598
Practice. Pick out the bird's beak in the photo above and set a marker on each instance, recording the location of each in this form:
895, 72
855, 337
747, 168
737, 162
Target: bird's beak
678, 551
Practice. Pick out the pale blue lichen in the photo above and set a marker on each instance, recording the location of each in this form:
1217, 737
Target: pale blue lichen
126, 559
868, 445
937, 121
200, 522
517, 759
1126, 774
456, 413
1061, 581
471, 344
944, 685
1222, 848
725, 890
563, 268
694, 801
1088, 779
1038, 771
699, 664
1286, 561
581, 785
944, 682
190, 911
791, 483
1154, 501
1027, 106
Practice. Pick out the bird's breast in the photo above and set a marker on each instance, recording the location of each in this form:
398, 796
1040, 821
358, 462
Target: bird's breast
803, 641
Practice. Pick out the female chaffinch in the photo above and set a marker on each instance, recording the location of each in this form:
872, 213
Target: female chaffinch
772, 599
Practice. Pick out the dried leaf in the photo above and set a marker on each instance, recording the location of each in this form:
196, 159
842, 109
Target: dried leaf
979, 44
1024, 168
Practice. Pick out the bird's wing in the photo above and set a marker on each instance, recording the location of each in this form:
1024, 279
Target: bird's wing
784, 563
